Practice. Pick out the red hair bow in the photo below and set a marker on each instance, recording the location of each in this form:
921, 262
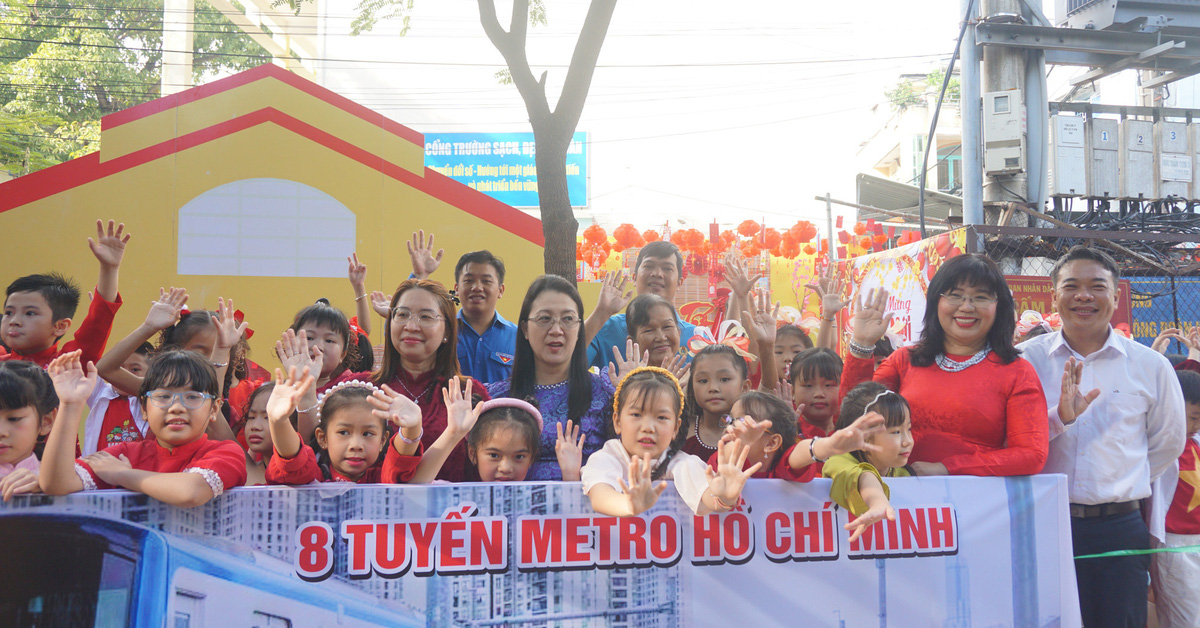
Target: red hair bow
239, 317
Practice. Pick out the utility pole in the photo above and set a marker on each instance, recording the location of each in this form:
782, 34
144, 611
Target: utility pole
1003, 69
970, 110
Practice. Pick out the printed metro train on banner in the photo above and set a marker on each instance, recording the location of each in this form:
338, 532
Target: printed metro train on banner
461, 542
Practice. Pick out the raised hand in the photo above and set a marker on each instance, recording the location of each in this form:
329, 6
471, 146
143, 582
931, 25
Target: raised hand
726, 484
395, 408
642, 491
1163, 340
229, 331
72, 383
19, 482
568, 449
871, 318
873, 515
424, 262
1193, 342
678, 365
167, 309
108, 467
1073, 402
829, 290
855, 437
109, 246
293, 351
784, 391
381, 303
760, 324
747, 430
615, 293
460, 416
737, 276
633, 358
357, 274
286, 393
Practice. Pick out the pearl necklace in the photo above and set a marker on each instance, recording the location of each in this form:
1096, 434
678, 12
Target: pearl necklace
726, 419
952, 366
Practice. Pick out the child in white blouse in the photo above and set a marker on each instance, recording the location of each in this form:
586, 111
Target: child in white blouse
620, 479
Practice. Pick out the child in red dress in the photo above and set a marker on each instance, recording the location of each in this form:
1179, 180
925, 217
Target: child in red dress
179, 466
350, 436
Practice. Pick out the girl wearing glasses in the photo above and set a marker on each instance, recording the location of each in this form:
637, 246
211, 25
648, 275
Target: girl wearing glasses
179, 465
977, 405
550, 365
421, 356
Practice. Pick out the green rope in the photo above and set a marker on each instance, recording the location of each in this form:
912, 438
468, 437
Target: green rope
1186, 549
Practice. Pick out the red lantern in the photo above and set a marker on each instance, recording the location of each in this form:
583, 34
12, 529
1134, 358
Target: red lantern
881, 238
809, 250
859, 228
791, 250
627, 236
748, 228
595, 234
771, 238
750, 248
579, 251
726, 240
677, 239
804, 231
693, 238
865, 241
650, 235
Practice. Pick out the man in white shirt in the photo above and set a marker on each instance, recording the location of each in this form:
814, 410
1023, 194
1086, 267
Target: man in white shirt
1113, 441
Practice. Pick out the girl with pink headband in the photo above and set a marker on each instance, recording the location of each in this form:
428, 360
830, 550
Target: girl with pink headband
502, 435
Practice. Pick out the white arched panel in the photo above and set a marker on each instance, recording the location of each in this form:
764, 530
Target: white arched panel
265, 228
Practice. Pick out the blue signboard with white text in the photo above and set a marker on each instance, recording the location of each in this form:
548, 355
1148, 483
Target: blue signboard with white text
502, 166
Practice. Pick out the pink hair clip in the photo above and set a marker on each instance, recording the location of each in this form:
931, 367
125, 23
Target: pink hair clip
509, 402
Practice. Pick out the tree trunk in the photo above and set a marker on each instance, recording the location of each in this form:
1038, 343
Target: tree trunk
559, 225
552, 130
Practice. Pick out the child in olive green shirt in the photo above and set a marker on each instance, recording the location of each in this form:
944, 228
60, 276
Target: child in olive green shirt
858, 476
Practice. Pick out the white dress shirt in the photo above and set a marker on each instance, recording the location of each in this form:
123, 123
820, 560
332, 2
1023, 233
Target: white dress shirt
1129, 436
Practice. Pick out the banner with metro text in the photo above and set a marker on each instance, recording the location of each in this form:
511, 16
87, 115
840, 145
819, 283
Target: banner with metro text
962, 551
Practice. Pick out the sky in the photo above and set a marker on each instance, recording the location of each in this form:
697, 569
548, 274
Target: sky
695, 113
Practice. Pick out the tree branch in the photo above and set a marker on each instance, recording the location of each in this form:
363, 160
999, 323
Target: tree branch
583, 62
512, 47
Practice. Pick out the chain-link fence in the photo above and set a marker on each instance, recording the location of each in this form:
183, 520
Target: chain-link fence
1160, 287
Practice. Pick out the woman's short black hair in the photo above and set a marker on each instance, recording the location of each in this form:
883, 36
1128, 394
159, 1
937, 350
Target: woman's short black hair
978, 271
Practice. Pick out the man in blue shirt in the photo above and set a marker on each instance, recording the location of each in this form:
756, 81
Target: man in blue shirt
486, 341
658, 271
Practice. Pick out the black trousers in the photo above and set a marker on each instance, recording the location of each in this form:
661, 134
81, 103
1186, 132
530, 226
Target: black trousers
1112, 591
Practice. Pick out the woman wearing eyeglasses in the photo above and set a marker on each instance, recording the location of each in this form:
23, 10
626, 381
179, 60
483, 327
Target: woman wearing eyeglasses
977, 406
420, 358
550, 365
